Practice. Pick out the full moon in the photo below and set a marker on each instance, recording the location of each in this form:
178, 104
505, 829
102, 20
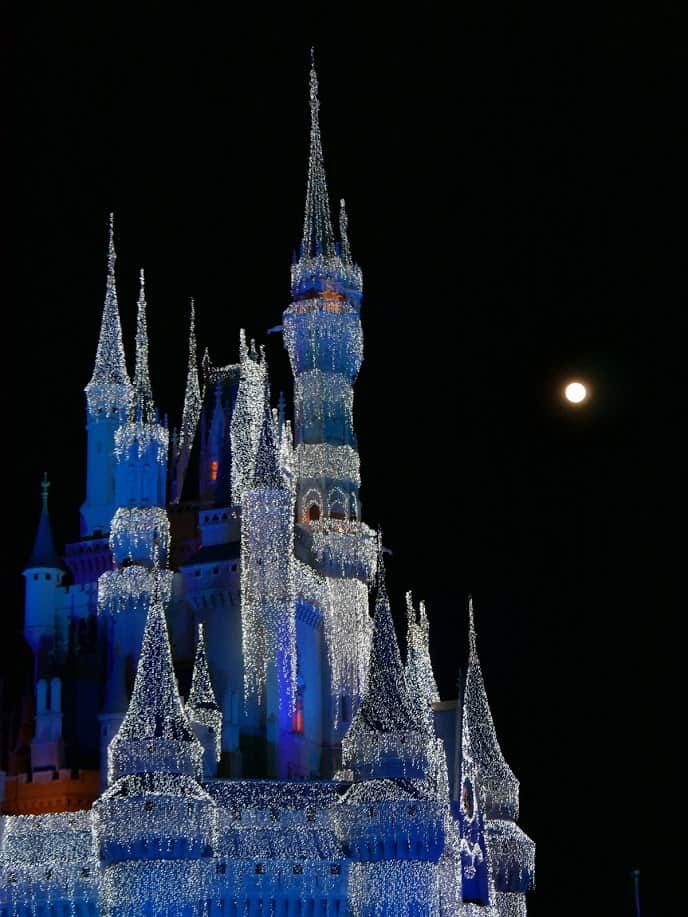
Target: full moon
576, 392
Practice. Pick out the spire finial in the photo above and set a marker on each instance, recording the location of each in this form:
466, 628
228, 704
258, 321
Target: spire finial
318, 238
471, 628
45, 484
144, 409
344, 233
109, 385
112, 254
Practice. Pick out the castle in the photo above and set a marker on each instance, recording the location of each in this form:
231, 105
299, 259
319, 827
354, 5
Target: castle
219, 725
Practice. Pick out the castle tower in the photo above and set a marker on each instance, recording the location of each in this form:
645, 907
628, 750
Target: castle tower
139, 534
202, 709
43, 575
391, 821
489, 794
323, 336
267, 595
322, 333
108, 396
154, 826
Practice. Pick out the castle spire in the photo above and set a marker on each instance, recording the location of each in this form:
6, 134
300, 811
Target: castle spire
387, 724
201, 707
110, 367
344, 235
267, 471
192, 395
44, 553
155, 735
144, 409
419, 674
480, 737
318, 237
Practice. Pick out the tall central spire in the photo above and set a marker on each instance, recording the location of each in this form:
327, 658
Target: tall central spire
110, 367
318, 237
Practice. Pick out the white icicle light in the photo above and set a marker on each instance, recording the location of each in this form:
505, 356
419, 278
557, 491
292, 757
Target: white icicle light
128, 588
140, 534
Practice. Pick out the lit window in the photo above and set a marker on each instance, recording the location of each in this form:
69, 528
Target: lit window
297, 718
214, 466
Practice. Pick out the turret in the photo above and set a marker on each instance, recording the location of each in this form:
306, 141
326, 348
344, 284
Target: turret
323, 336
154, 826
391, 821
490, 789
388, 736
322, 332
202, 709
108, 397
43, 575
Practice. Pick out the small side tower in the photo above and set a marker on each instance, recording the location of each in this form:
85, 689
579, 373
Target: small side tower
202, 709
155, 826
391, 821
139, 535
43, 575
490, 789
108, 396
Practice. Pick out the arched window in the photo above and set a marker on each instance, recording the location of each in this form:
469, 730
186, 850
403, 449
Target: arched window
337, 503
311, 504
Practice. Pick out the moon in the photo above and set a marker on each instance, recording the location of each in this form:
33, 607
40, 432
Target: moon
575, 392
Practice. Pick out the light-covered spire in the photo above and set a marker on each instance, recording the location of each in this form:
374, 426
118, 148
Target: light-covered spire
479, 738
344, 234
387, 736
44, 554
192, 395
419, 674
267, 471
109, 385
155, 735
202, 707
144, 409
318, 237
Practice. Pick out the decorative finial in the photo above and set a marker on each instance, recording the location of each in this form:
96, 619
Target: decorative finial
471, 627
143, 393
344, 233
112, 254
45, 484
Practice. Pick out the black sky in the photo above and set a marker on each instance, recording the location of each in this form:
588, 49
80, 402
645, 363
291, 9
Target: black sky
510, 181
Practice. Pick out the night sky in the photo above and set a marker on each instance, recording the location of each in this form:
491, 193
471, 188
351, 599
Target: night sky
510, 183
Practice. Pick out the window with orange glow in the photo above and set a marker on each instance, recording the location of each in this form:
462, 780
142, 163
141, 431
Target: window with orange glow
297, 717
214, 466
